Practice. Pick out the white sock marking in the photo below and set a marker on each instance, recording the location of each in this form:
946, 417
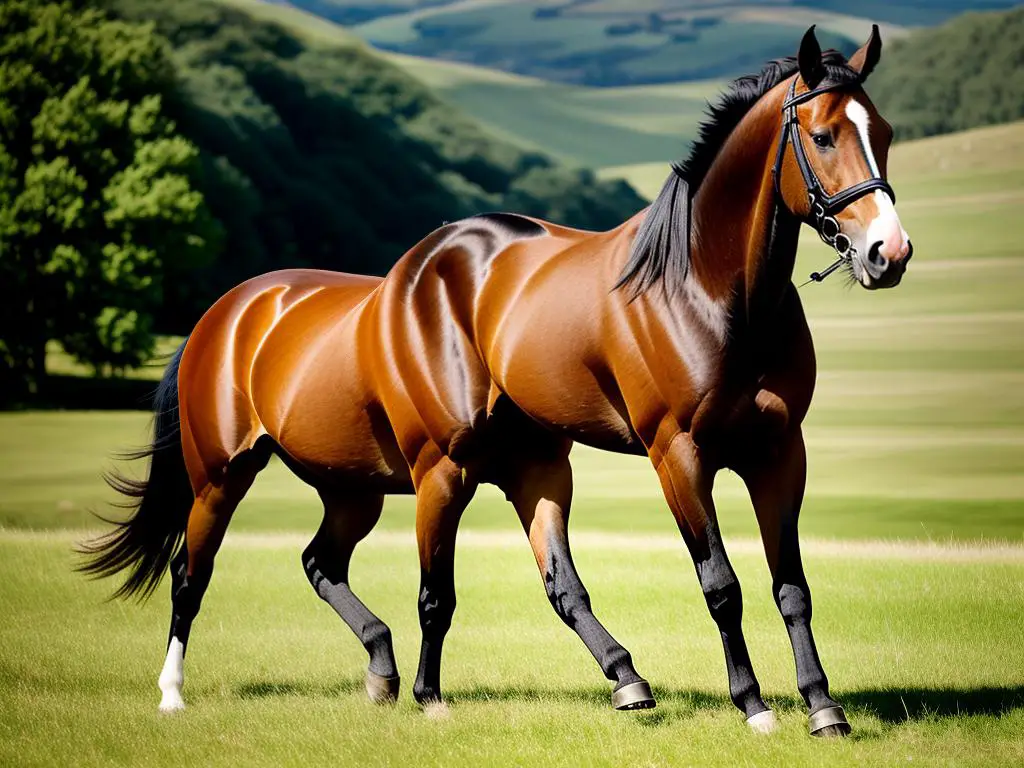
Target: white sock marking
172, 676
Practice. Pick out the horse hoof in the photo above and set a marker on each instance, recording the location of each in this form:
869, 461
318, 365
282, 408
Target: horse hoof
763, 722
633, 696
171, 702
829, 722
436, 710
382, 690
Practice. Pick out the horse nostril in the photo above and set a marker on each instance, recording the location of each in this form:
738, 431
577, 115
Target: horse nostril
875, 255
910, 252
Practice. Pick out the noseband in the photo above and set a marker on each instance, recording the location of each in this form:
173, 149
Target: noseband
823, 207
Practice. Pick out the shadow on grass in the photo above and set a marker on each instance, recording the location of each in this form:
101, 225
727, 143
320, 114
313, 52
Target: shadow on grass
890, 706
265, 689
899, 705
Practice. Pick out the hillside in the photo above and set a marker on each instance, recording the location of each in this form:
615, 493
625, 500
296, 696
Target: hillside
966, 73
623, 42
318, 152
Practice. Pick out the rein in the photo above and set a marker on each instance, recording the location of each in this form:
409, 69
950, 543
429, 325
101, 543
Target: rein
823, 207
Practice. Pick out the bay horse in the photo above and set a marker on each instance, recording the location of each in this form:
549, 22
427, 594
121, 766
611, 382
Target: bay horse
498, 341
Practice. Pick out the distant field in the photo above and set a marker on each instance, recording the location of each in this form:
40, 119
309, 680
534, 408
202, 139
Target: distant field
590, 127
616, 43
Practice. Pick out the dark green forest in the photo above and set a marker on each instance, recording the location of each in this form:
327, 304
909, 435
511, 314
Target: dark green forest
966, 73
331, 157
154, 154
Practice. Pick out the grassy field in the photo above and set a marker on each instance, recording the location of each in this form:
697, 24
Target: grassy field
916, 434
924, 652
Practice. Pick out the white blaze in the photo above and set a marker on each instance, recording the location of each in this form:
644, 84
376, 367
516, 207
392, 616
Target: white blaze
885, 227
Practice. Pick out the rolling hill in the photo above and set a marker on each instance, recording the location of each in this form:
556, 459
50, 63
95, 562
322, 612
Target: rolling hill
624, 42
965, 73
317, 151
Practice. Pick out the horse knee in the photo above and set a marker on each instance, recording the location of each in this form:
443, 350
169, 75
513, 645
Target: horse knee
320, 572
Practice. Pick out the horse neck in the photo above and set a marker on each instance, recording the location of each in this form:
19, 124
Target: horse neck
744, 245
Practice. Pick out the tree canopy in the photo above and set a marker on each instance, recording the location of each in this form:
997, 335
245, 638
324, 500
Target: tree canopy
154, 154
97, 196
966, 73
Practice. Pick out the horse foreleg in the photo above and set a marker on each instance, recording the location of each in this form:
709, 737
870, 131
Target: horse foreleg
776, 489
541, 493
687, 485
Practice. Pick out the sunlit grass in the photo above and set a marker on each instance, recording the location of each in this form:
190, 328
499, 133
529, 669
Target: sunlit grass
927, 657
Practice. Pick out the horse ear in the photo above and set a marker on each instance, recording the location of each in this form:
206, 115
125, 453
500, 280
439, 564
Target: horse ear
809, 59
866, 57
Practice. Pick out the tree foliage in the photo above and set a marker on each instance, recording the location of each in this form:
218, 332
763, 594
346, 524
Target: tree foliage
97, 195
966, 73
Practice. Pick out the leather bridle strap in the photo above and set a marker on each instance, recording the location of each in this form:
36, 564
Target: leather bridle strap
823, 207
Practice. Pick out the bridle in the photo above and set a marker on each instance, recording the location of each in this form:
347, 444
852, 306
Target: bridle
823, 206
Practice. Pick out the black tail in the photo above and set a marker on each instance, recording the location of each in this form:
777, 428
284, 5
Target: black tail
145, 543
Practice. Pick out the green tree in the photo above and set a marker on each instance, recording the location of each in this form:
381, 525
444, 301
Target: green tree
98, 201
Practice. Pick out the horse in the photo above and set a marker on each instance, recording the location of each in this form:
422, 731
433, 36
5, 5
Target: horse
500, 340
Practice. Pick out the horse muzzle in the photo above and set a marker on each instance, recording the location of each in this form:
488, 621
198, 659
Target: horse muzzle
877, 270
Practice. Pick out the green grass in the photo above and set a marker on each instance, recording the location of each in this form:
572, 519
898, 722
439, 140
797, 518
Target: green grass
926, 656
60, 363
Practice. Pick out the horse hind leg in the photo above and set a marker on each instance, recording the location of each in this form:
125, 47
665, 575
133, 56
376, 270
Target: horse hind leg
347, 521
192, 567
443, 490
541, 491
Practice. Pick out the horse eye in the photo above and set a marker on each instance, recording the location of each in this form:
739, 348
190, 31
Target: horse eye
822, 140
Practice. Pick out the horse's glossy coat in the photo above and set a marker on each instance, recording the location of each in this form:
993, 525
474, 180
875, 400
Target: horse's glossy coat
496, 343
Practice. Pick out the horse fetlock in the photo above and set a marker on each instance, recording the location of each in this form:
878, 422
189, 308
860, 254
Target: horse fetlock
425, 694
747, 697
376, 639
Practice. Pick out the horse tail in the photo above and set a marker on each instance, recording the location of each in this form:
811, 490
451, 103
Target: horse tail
145, 543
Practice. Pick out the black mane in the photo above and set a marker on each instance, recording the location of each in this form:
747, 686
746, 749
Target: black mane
661, 248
